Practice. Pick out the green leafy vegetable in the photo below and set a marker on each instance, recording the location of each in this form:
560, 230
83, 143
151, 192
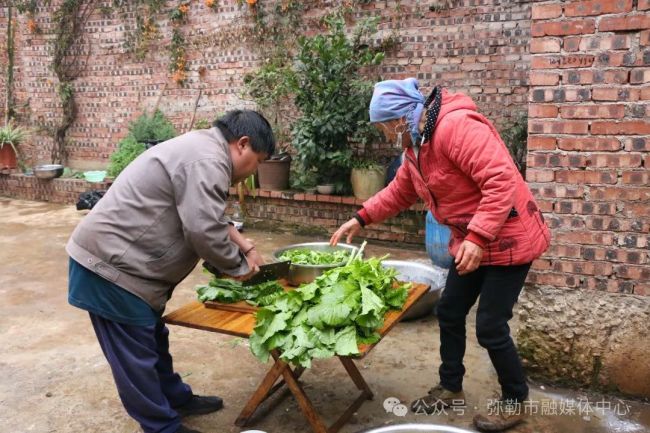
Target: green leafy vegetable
230, 291
303, 256
330, 316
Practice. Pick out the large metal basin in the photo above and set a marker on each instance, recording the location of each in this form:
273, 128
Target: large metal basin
48, 171
420, 273
413, 428
299, 274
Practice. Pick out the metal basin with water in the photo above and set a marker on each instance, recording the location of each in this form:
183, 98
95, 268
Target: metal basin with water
420, 273
299, 274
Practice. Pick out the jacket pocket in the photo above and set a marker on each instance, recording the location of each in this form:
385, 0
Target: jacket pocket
173, 265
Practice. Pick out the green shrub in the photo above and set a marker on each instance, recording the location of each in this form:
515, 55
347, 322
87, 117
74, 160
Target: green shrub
152, 128
155, 128
128, 149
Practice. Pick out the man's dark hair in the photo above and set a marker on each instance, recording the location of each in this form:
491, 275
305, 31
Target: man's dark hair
238, 123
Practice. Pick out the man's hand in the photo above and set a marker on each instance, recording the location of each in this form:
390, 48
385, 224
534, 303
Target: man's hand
351, 228
253, 268
468, 257
255, 257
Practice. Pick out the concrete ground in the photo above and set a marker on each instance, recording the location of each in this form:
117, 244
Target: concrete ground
55, 378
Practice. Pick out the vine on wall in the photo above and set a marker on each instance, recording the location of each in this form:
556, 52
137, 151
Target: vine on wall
68, 24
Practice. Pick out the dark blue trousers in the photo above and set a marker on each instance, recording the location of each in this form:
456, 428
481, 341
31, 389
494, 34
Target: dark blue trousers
143, 372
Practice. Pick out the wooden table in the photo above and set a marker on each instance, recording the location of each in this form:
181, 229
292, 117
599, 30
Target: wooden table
196, 315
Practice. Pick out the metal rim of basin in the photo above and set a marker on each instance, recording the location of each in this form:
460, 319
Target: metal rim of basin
409, 428
319, 246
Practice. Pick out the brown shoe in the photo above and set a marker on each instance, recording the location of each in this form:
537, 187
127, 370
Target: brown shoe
501, 415
437, 400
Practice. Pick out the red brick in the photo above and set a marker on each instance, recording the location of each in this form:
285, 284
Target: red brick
644, 38
584, 207
607, 284
587, 237
588, 144
568, 61
624, 23
558, 127
632, 127
637, 144
545, 45
544, 78
644, 94
620, 193
608, 160
586, 177
558, 191
640, 76
605, 42
643, 5
597, 7
563, 28
541, 143
571, 44
593, 112
553, 279
535, 175
584, 268
635, 177
610, 59
536, 110
605, 94
568, 251
641, 289
547, 11
638, 273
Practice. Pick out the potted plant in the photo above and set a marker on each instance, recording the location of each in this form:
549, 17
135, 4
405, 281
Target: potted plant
367, 178
10, 137
274, 172
323, 81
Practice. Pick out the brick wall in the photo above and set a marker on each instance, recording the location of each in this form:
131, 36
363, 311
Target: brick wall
323, 214
477, 47
56, 190
589, 142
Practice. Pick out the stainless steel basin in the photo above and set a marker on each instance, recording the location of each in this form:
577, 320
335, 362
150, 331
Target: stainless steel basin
299, 274
48, 171
415, 272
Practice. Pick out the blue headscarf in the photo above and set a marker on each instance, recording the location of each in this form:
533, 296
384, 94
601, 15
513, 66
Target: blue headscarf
393, 99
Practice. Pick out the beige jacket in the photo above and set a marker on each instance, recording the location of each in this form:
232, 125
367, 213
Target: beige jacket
163, 213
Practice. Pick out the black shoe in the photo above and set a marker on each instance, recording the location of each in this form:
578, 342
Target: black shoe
200, 405
183, 429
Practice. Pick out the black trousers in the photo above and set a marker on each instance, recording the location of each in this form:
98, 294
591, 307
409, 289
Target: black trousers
499, 288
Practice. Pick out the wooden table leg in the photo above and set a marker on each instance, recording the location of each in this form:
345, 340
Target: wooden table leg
262, 392
356, 377
306, 407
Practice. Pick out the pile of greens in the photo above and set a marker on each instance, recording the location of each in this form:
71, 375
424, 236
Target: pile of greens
331, 316
231, 291
303, 256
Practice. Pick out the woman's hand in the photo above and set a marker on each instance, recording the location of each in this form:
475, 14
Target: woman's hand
468, 257
350, 228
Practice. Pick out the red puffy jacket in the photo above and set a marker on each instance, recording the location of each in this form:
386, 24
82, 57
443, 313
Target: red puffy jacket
468, 179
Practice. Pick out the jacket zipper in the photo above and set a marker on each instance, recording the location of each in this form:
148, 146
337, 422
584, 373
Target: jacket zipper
417, 165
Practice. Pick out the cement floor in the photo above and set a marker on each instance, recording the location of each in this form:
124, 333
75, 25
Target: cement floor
55, 378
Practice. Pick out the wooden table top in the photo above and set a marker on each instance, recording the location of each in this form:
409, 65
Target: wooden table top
196, 315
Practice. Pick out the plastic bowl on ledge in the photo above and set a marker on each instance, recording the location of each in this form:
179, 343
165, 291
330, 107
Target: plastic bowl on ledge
94, 176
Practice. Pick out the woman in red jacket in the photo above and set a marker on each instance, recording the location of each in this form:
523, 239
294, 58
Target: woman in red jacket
456, 162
